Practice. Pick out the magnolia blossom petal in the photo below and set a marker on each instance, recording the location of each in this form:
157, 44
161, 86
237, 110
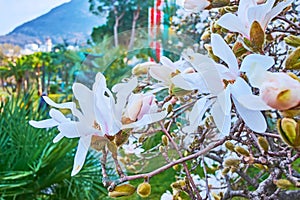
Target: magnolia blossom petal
226, 21
241, 91
162, 73
47, 123
146, 119
69, 129
123, 90
196, 114
223, 122
223, 51
80, 156
224, 100
275, 11
148, 101
253, 102
253, 119
190, 81
258, 12
134, 106
254, 61
58, 137
207, 69
58, 116
67, 105
85, 98
105, 110
244, 5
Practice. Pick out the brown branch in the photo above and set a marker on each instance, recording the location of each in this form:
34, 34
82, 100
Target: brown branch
169, 165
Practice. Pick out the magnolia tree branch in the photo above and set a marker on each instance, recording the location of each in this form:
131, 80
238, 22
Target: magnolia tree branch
171, 164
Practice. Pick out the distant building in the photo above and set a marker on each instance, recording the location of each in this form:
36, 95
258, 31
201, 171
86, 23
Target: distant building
33, 47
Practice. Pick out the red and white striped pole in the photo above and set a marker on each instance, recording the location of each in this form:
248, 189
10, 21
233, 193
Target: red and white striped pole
155, 21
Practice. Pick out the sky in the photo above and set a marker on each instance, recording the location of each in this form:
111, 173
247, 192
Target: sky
16, 12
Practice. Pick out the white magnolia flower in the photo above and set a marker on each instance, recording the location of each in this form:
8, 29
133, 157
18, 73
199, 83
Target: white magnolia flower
99, 115
248, 12
226, 85
84, 128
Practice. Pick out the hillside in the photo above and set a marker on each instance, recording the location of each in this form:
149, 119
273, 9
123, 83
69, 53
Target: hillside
71, 22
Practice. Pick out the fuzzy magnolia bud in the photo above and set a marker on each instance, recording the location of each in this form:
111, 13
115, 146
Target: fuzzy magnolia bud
283, 184
122, 190
144, 190
242, 151
292, 62
292, 40
225, 171
263, 143
229, 145
165, 140
231, 162
289, 131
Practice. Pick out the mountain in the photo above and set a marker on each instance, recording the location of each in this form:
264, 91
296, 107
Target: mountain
71, 22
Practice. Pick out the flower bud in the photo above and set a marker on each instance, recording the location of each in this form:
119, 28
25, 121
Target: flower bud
165, 140
242, 151
289, 131
263, 143
229, 145
292, 40
122, 190
142, 68
283, 183
231, 162
161, 149
225, 171
292, 62
219, 3
144, 190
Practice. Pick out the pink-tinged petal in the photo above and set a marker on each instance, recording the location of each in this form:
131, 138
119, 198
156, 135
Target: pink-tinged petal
148, 101
275, 11
253, 61
105, 110
226, 21
134, 105
146, 119
80, 156
58, 137
223, 51
69, 129
196, 114
47, 123
253, 119
258, 13
162, 73
123, 90
222, 121
85, 98
190, 81
207, 70
57, 116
